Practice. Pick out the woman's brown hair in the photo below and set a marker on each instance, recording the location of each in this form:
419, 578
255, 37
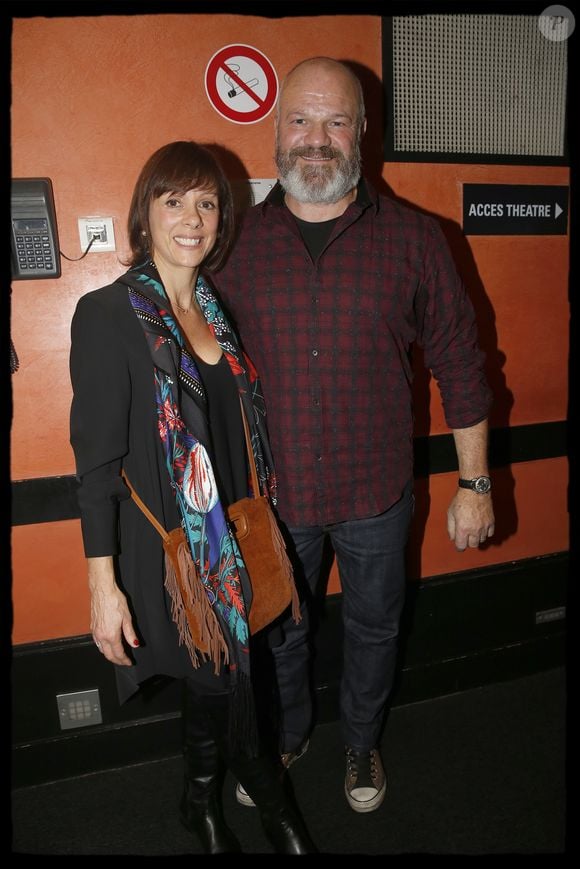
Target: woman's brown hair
177, 168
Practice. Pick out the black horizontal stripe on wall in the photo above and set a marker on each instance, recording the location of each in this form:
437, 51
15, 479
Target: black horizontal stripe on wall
52, 499
44, 499
507, 446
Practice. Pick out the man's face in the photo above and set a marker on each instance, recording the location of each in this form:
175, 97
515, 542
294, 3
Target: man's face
317, 141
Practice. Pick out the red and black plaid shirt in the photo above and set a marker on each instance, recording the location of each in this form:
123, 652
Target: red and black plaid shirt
331, 342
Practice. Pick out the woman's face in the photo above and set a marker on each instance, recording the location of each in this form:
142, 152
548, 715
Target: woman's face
183, 228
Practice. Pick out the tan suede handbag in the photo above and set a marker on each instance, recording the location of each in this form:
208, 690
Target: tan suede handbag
263, 549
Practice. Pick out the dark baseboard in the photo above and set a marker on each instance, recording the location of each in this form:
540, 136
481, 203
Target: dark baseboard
458, 632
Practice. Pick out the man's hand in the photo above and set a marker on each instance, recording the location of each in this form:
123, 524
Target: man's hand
470, 519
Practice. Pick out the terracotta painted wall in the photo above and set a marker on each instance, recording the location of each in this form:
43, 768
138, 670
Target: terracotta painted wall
114, 89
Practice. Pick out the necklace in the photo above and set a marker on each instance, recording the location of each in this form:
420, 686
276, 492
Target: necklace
175, 304
182, 309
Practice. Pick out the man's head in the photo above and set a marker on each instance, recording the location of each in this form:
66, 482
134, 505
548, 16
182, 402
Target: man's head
319, 124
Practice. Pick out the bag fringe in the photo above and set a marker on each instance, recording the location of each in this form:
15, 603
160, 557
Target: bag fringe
197, 625
286, 564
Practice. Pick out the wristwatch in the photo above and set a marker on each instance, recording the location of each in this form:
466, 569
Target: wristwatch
481, 485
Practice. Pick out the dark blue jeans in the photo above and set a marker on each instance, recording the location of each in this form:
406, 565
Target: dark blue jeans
370, 555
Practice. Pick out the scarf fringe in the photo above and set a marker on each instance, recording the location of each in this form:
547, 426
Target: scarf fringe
280, 548
196, 622
243, 738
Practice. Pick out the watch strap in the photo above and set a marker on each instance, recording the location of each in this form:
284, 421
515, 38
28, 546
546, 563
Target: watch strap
480, 484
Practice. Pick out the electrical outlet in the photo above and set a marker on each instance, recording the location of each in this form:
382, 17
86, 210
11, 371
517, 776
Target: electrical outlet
100, 231
553, 615
79, 709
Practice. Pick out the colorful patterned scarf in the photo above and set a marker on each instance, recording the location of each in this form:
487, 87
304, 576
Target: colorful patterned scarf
182, 428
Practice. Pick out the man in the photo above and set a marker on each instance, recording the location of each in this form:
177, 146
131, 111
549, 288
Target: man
331, 284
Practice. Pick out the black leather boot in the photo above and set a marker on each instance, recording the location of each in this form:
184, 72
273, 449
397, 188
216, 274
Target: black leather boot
281, 821
262, 779
201, 803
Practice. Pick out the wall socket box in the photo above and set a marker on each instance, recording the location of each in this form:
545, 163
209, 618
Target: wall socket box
79, 709
100, 231
551, 615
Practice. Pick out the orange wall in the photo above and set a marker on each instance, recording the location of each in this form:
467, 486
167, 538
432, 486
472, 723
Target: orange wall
114, 88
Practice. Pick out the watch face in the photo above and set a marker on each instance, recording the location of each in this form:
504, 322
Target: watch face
482, 485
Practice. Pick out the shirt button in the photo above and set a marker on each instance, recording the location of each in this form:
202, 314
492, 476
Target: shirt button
315, 352
318, 458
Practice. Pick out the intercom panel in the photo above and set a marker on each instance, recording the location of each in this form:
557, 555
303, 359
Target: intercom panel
34, 237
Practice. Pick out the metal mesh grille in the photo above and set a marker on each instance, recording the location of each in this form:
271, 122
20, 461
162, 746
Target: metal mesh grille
478, 84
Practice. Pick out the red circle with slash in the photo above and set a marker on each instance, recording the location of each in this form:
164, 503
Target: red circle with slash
241, 84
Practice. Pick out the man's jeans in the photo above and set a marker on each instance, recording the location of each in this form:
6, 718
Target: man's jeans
370, 555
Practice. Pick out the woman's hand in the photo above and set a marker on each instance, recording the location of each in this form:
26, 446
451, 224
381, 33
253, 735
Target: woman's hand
111, 621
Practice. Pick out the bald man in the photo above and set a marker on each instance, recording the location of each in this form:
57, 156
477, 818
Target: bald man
331, 284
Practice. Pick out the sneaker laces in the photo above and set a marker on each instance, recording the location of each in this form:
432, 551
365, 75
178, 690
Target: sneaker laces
363, 768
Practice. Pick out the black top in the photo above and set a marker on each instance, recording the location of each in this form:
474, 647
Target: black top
226, 429
315, 235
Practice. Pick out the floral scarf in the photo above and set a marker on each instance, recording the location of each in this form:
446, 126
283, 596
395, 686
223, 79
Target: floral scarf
183, 428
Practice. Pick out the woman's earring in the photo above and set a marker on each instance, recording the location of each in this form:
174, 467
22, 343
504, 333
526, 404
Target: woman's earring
143, 232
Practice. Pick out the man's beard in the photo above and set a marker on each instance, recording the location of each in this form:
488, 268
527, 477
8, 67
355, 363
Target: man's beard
318, 184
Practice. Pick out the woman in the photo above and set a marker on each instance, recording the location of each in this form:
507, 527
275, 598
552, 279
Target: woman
158, 377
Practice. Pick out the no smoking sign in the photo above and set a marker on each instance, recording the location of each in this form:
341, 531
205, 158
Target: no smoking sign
241, 84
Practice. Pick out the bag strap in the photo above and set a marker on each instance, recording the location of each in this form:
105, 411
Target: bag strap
144, 508
251, 459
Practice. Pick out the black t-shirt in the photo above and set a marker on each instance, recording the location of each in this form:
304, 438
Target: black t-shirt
315, 235
227, 432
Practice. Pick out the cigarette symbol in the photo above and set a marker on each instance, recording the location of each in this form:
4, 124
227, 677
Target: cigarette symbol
234, 88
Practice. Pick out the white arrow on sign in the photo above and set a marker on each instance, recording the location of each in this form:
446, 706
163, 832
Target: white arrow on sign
557, 210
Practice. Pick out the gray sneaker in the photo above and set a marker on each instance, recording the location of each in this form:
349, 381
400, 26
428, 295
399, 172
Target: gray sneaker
365, 783
286, 759
291, 757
